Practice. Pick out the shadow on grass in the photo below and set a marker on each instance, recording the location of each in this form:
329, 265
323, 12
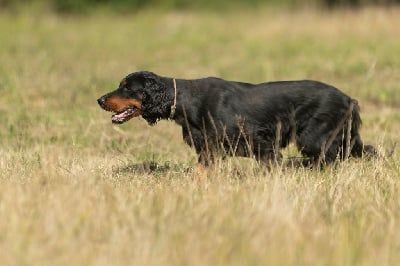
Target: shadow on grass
148, 167
152, 167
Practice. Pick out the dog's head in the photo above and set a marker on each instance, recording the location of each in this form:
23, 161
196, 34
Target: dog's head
140, 93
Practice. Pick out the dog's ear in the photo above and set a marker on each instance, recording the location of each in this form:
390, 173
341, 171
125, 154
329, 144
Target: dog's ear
156, 102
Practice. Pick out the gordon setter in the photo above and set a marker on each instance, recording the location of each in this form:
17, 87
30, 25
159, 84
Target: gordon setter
252, 120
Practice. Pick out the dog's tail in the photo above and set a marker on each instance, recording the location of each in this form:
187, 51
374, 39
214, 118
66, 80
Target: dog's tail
358, 149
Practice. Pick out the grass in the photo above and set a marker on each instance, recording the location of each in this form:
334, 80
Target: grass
75, 190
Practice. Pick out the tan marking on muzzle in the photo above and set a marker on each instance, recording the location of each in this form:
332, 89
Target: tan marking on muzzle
117, 104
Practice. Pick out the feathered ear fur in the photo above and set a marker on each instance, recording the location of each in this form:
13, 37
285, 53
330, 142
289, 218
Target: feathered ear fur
156, 103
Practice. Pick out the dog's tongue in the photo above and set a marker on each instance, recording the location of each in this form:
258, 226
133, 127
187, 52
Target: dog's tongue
123, 116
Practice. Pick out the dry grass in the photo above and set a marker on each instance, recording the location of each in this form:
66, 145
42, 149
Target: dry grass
75, 190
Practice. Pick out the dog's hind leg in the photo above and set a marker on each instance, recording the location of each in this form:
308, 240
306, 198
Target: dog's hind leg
324, 150
358, 149
317, 143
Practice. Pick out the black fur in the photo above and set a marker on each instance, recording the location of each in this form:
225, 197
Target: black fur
156, 99
219, 116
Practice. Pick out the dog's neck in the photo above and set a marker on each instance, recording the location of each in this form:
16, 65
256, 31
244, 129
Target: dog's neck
177, 90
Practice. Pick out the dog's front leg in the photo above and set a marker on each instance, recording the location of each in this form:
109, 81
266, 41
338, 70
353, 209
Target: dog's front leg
206, 158
194, 138
269, 157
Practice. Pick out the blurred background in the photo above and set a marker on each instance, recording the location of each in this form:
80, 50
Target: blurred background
79, 6
58, 56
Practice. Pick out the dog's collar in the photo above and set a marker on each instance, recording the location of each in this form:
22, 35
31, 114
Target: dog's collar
173, 107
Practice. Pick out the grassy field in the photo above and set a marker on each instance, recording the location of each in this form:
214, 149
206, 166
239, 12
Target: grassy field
76, 190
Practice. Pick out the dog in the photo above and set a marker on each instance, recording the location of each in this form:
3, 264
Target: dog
242, 119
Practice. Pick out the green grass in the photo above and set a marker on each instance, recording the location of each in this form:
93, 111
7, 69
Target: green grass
76, 190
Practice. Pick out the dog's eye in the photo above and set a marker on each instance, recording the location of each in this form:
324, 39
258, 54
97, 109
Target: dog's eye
125, 89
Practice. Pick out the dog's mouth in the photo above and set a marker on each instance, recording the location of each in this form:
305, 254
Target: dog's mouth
125, 115
124, 109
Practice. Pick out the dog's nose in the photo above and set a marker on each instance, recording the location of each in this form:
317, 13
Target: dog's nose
101, 101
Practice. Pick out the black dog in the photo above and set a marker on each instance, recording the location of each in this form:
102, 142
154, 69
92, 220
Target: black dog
242, 119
